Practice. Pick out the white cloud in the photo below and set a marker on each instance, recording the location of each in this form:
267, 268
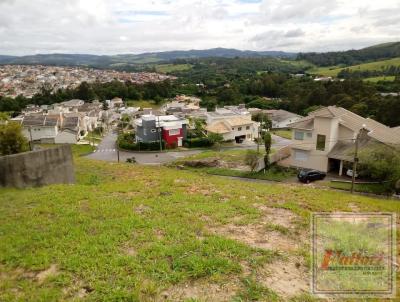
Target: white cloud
133, 26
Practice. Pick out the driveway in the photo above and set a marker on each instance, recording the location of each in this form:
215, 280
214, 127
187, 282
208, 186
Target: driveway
279, 142
107, 151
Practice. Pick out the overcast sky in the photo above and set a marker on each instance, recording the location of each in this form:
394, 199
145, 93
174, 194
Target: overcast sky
135, 26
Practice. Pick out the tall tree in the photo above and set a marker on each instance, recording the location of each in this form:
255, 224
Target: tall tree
267, 144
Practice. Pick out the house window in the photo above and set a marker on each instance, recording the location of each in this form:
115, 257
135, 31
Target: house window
233, 128
247, 127
300, 155
298, 135
174, 132
309, 134
153, 130
321, 142
240, 129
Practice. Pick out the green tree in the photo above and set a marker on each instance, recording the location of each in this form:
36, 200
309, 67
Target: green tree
12, 140
84, 92
267, 144
105, 106
263, 119
382, 163
215, 138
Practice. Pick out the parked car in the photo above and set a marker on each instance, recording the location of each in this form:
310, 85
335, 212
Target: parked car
307, 176
349, 172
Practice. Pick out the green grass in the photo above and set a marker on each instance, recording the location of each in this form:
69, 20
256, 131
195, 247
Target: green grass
126, 232
166, 68
230, 156
283, 133
273, 174
381, 78
277, 228
378, 65
254, 291
237, 157
366, 188
143, 104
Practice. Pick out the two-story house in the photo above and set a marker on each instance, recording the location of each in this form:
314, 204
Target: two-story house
233, 123
325, 139
171, 129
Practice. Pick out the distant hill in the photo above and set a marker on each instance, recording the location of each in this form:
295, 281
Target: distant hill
127, 59
353, 57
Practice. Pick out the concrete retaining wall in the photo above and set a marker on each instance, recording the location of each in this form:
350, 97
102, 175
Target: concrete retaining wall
37, 168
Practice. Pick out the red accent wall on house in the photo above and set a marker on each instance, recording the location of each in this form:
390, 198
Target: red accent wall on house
171, 139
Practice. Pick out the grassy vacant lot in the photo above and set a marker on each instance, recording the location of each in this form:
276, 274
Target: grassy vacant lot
382, 78
366, 188
233, 164
166, 68
125, 232
333, 71
143, 104
283, 133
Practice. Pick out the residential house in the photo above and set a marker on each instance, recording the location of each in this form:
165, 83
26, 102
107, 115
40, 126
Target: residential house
171, 129
116, 103
281, 118
233, 123
69, 132
325, 139
43, 128
183, 105
73, 104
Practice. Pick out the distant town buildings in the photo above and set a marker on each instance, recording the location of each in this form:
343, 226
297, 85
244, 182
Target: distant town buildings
62, 123
27, 80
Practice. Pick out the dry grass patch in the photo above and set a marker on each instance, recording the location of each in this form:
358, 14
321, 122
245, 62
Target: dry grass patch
201, 290
287, 278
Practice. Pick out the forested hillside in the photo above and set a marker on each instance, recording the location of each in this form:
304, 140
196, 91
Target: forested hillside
353, 57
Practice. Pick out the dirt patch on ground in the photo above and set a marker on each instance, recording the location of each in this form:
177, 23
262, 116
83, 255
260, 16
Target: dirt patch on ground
200, 290
216, 163
353, 207
43, 275
277, 230
77, 290
287, 278
260, 235
203, 190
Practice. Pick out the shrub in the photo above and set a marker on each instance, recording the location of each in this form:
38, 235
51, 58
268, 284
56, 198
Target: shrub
11, 139
127, 141
252, 159
198, 142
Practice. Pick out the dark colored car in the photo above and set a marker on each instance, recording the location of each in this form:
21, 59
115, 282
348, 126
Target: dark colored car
307, 176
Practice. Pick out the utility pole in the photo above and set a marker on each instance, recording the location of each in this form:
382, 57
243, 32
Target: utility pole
30, 141
355, 160
159, 131
258, 137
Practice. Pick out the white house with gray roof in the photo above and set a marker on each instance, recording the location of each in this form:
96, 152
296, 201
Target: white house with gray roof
325, 139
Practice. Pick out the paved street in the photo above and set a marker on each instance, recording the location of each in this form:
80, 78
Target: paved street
107, 150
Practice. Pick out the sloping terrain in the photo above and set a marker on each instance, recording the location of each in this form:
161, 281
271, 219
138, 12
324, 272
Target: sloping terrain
113, 61
135, 233
355, 56
378, 65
